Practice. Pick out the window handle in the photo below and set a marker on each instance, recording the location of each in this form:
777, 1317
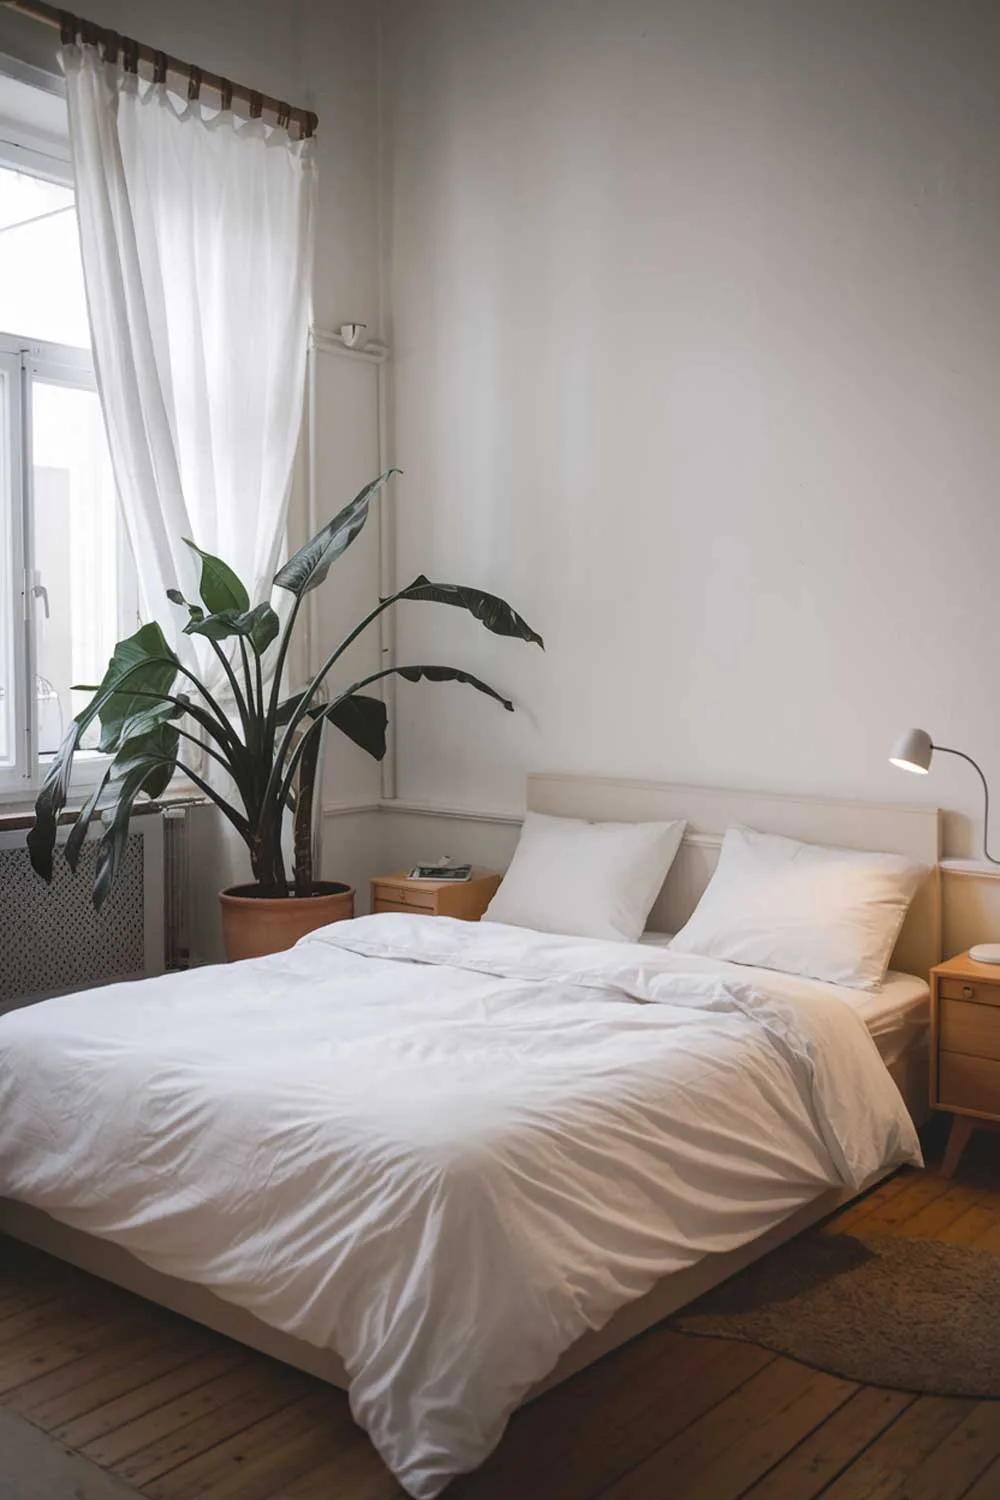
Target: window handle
39, 591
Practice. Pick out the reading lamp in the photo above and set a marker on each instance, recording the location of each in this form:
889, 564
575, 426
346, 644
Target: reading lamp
914, 751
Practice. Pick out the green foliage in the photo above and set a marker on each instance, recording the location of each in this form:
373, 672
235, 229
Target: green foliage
310, 565
496, 614
150, 708
220, 588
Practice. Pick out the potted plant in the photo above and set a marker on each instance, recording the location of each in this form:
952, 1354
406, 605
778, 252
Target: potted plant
151, 707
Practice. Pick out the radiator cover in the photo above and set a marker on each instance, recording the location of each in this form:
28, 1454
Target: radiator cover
51, 938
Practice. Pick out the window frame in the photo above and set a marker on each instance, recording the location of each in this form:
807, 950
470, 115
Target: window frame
21, 149
15, 776
55, 364
22, 359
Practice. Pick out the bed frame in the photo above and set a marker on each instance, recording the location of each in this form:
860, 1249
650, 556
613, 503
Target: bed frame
912, 831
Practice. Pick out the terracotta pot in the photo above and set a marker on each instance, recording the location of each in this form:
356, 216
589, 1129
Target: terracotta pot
254, 925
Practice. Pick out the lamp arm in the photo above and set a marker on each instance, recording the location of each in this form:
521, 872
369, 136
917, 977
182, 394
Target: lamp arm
945, 750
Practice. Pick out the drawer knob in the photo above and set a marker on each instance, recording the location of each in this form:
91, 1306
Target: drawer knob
968, 991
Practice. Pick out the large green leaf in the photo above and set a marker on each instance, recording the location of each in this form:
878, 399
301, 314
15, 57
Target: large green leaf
495, 613
156, 751
144, 664
264, 627
145, 719
219, 588
363, 719
152, 669
112, 845
50, 802
450, 674
260, 626
310, 565
144, 764
78, 832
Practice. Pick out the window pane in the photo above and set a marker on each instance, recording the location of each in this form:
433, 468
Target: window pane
81, 556
8, 595
41, 277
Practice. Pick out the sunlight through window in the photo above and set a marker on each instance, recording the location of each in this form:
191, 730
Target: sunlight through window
67, 581
41, 277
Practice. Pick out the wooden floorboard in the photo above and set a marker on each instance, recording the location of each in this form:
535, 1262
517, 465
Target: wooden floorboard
881, 1468
180, 1413
809, 1468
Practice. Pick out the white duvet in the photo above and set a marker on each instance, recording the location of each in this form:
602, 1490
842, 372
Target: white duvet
443, 1149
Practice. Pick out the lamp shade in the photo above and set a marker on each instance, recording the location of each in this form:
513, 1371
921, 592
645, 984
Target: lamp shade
913, 751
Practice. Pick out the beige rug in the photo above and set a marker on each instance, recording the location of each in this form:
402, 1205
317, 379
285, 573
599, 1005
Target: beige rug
907, 1313
34, 1466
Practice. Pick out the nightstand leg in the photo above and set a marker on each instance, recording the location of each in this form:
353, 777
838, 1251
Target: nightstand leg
961, 1130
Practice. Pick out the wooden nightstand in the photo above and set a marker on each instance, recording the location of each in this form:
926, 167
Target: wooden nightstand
467, 899
965, 1049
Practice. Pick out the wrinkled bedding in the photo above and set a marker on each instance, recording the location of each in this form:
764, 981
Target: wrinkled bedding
444, 1149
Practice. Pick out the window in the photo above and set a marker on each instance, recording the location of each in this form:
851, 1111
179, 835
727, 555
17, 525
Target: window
68, 590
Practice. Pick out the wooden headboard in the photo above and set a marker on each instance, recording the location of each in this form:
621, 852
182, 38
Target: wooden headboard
892, 829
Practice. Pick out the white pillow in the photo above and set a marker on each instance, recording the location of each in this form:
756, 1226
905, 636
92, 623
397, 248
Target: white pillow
587, 879
831, 914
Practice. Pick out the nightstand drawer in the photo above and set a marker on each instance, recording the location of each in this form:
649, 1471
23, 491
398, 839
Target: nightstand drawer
417, 911
968, 1083
403, 898
969, 1028
969, 989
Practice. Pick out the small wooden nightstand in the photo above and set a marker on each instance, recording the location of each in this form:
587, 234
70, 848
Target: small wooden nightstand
467, 899
965, 1049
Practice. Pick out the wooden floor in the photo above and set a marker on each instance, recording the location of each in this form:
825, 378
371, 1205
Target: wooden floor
179, 1413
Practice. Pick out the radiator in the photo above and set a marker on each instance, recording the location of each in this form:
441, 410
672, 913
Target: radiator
53, 941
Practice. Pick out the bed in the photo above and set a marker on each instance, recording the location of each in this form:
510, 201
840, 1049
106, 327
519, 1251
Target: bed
145, 1160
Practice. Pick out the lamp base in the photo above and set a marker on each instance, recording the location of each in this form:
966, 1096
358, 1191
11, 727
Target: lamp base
985, 953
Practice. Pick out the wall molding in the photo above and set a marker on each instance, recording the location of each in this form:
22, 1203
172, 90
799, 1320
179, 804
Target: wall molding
964, 869
348, 808
970, 869
447, 810
420, 810
467, 815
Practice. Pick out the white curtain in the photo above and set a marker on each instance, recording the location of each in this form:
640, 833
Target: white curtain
196, 233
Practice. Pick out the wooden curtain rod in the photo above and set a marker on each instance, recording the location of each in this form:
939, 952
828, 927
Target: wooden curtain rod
71, 26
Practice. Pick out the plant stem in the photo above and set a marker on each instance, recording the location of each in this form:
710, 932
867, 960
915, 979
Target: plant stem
248, 680
279, 664
303, 707
240, 824
303, 817
205, 749
239, 700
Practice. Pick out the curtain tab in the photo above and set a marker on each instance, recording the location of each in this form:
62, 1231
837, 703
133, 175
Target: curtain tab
309, 128
109, 46
225, 94
67, 28
194, 82
159, 67
284, 115
130, 55
256, 105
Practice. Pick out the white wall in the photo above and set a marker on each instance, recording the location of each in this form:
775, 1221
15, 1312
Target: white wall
696, 322
696, 326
